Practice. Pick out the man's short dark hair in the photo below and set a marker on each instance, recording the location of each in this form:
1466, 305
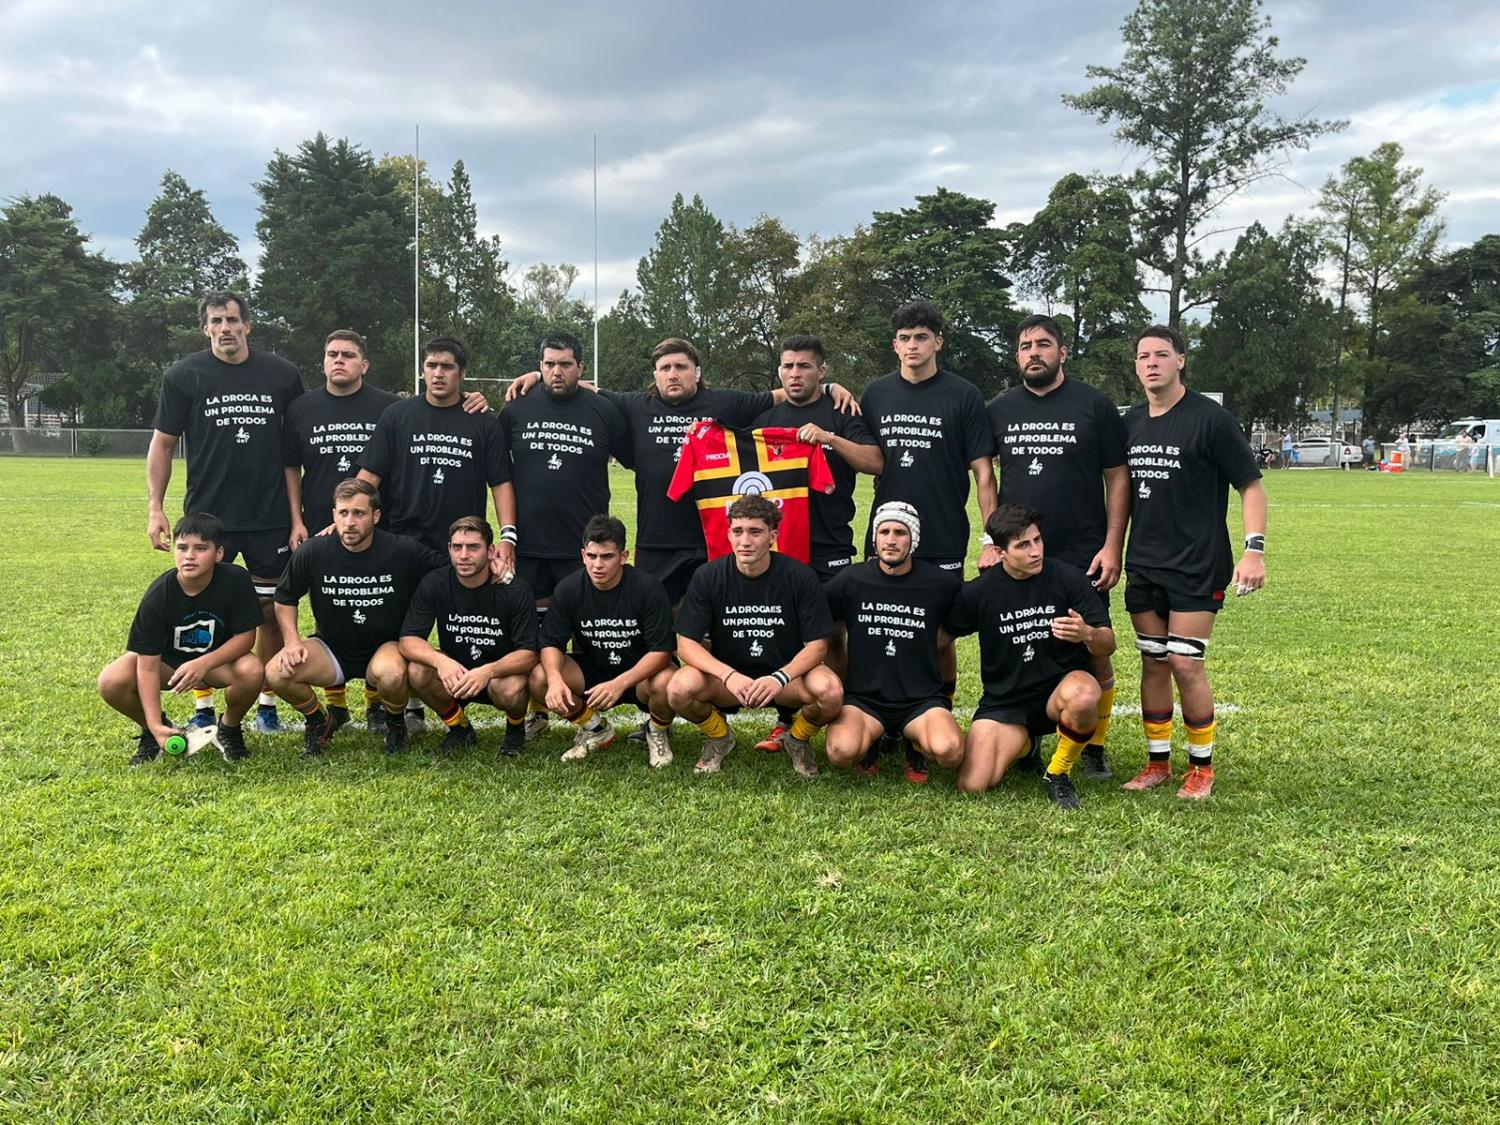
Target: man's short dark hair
563, 342
672, 345
1046, 323
604, 529
755, 508
200, 525
1009, 521
447, 344
804, 342
477, 524
350, 487
1162, 332
352, 336
918, 314
221, 299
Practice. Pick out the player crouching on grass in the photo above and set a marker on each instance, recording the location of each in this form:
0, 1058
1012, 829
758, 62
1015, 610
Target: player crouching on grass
767, 624
486, 639
894, 607
620, 622
1041, 625
194, 627
360, 581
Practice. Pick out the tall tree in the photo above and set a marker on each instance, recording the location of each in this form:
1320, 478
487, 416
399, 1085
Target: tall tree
1191, 93
944, 250
336, 253
1267, 346
768, 262
56, 297
546, 288
845, 300
690, 283
626, 337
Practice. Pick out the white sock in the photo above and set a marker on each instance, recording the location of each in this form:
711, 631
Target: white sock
267, 699
206, 704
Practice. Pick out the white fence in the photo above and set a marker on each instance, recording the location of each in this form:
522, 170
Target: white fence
1448, 457
42, 442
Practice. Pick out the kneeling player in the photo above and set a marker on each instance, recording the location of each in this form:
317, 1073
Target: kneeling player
360, 581
767, 622
1040, 625
195, 626
486, 639
894, 606
620, 622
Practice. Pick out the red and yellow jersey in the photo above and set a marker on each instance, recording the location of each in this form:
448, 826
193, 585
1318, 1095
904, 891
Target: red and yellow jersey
718, 464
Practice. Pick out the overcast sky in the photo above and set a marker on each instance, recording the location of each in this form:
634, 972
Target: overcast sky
816, 112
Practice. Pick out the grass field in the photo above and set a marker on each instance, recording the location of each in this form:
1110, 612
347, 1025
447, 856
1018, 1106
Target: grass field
413, 940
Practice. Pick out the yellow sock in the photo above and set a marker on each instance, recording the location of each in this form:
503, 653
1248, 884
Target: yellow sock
1158, 727
584, 717
536, 708
392, 708
1070, 744
803, 728
203, 698
372, 697
659, 724
1200, 741
714, 726
454, 717
1105, 712
311, 707
336, 697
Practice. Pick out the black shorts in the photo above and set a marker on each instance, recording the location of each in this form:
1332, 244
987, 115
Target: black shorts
345, 667
672, 567
594, 675
830, 567
1145, 596
266, 554
894, 719
543, 575
1029, 713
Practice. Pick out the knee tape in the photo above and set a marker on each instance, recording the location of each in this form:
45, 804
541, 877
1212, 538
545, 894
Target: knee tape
1154, 647
1194, 648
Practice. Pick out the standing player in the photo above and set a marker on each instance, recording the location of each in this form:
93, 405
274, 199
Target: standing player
360, 581
620, 623
766, 622
196, 624
1055, 439
1186, 452
1040, 626
932, 426
894, 607
486, 639
850, 448
229, 402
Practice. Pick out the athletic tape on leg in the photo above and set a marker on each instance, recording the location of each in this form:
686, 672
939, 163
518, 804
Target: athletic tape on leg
1154, 647
1194, 648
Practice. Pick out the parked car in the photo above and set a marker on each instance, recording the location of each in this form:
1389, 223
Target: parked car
1325, 452
1481, 432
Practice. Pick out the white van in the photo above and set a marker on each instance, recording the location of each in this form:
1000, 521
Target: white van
1481, 432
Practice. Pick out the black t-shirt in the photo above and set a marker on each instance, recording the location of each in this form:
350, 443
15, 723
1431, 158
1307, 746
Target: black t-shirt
179, 627
359, 598
435, 464
1018, 655
1052, 450
830, 513
1182, 465
755, 625
323, 435
559, 451
611, 630
930, 432
656, 432
893, 622
230, 417
476, 625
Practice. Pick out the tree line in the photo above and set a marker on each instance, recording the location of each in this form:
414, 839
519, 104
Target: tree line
1353, 302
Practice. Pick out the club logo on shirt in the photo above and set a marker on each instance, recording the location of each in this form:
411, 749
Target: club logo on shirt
1144, 491
359, 617
751, 484
475, 652
890, 648
614, 656
242, 435
1029, 654
194, 636
554, 462
343, 465
1035, 468
756, 648
907, 460
437, 476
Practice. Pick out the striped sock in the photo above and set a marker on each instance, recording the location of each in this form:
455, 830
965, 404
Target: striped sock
804, 728
267, 699
658, 723
1070, 744
455, 716
312, 708
203, 698
1200, 736
714, 726
1158, 726
336, 697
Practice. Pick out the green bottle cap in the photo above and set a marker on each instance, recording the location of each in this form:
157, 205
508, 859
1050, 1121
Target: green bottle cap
175, 745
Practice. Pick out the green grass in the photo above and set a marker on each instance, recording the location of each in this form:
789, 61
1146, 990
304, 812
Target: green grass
366, 940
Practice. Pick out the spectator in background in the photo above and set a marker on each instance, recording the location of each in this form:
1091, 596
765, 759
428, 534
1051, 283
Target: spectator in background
1463, 448
1367, 446
1286, 449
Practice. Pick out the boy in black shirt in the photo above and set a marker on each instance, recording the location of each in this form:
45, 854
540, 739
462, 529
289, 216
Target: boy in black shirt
620, 623
486, 639
360, 581
1040, 626
229, 402
1186, 452
195, 625
894, 607
767, 622
1060, 448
